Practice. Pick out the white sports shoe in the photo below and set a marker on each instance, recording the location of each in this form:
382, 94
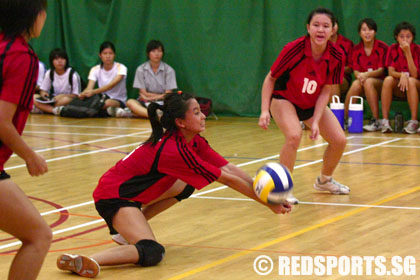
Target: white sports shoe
119, 239
331, 186
36, 110
84, 266
386, 128
124, 113
374, 125
57, 110
112, 111
411, 127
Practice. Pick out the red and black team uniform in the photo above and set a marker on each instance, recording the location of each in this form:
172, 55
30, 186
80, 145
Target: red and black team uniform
363, 63
398, 61
300, 79
346, 46
18, 76
149, 171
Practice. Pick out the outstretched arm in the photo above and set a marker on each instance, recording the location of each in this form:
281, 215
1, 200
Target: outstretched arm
245, 188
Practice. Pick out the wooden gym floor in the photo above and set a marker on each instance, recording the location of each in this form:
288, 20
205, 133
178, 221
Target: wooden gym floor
218, 233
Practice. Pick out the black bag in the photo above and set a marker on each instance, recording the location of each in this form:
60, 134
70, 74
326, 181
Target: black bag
205, 105
84, 108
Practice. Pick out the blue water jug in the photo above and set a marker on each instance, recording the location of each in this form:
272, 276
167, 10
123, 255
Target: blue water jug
338, 109
355, 121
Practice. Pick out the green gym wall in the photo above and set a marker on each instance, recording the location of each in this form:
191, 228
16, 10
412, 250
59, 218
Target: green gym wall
220, 49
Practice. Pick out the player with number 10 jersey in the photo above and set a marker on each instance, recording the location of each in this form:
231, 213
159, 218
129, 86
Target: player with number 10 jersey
297, 89
300, 78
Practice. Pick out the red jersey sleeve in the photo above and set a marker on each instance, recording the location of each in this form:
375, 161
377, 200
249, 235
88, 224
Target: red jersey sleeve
336, 65
383, 52
287, 56
390, 57
181, 161
16, 78
416, 57
205, 152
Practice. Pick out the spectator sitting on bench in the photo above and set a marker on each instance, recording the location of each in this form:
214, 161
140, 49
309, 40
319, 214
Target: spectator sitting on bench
403, 68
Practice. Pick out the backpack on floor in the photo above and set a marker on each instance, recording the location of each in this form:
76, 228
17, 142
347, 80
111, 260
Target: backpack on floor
205, 105
84, 108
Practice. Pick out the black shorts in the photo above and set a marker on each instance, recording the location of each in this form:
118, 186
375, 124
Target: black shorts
4, 175
146, 104
303, 114
122, 105
107, 208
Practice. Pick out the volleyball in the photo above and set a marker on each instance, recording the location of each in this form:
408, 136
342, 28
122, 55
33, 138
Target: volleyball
273, 183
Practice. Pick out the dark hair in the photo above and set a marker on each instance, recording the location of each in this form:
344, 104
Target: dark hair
58, 53
18, 16
404, 26
153, 45
323, 11
371, 24
175, 105
106, 45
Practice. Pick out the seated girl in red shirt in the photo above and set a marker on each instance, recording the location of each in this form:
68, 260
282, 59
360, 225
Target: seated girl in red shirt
403, 62
368, 63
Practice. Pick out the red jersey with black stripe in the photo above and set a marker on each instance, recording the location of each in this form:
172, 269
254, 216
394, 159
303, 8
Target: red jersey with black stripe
149, 171
397, 59
300, 78
362, 62
346, 45
18, 76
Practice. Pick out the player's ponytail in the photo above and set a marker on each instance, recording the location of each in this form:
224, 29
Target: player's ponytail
174, 107
157, 128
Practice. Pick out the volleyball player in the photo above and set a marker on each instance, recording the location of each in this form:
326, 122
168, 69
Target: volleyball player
368, 63
20, 20
164, 170
298, 88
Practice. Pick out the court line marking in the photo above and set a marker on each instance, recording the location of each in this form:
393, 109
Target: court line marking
320, 203
78, 155
87, 142
69, 133
16, 243
386, 137
302, 165
198, 194
88, 126
137, 143
291, 235
388, 146
195, 195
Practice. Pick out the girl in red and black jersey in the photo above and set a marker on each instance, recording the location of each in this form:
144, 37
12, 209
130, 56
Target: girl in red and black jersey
403, 62
167, 168
368, 63
20, 20
298, 88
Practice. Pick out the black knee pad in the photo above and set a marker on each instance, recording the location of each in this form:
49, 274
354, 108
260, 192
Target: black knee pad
186, 193
150, 252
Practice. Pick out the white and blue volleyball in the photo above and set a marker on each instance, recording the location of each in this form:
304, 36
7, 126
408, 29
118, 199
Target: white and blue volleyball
273, 183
